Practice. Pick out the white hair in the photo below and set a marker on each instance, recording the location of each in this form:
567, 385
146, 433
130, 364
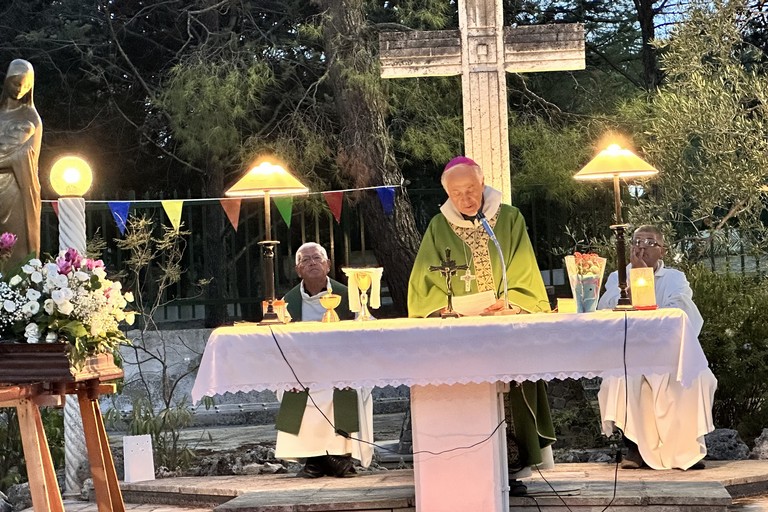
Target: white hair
310, 245
477, 169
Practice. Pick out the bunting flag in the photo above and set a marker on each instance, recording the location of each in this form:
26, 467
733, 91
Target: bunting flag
55, 205
173, 210
335, 201
232, 209
285, 207
387, 199
119, 211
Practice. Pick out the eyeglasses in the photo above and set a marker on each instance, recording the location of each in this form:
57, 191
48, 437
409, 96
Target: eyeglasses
306, 260
646, 242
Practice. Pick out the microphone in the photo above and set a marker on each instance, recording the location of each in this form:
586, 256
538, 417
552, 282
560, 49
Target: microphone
481, 218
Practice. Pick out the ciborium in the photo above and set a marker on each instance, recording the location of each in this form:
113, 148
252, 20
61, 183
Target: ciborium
364, 290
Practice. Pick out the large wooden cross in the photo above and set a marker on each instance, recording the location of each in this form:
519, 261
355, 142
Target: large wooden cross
482, 51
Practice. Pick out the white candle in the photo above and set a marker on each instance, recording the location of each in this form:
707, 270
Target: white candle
641, 284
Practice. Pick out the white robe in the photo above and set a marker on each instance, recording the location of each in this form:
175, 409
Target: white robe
316, 437
666, 420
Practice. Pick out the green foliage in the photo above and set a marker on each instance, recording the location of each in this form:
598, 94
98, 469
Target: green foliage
211, 101
154, 265
13, 468
705, 127
735, 341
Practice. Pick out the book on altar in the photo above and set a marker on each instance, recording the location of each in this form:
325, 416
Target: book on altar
474, 304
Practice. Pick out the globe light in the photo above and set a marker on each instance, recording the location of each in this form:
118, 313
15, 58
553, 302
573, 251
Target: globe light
71, 176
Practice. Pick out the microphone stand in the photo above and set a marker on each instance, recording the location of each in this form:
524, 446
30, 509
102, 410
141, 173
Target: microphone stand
481, 218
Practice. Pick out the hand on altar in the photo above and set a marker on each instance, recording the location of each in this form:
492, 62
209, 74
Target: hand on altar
499, 306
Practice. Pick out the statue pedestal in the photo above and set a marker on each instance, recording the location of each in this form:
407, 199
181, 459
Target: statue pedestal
34, 375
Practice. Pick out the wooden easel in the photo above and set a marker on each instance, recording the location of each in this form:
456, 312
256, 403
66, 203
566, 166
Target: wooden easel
88, 384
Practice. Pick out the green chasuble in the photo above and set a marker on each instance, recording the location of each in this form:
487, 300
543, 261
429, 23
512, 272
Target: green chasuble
470, 245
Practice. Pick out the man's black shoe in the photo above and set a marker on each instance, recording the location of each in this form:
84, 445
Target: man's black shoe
313, 468
339, 465
633, 460
517, 488
699, 465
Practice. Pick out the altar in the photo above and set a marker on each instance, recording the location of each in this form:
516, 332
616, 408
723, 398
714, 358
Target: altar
455, 368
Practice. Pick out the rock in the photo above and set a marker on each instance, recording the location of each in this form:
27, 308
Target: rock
20, 496
600, 457
760, 451
272, 469
87, 492
5, 505
251, 469
725, 444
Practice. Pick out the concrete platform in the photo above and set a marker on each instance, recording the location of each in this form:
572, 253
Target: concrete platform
578, 486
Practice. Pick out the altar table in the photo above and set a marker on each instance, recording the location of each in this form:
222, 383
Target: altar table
455, 368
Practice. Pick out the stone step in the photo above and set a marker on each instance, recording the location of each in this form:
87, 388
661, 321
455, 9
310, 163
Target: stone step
577, 487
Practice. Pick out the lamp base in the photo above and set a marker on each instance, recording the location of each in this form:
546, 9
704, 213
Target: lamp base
270, 318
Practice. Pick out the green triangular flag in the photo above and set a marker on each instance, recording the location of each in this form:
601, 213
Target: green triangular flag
285, 207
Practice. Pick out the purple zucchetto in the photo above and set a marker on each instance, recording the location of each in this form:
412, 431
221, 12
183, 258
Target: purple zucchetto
459, 160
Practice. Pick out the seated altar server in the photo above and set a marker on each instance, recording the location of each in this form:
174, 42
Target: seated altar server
304, 427
665, 422
457, 228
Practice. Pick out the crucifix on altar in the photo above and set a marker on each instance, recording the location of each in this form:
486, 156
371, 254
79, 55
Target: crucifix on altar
482, 51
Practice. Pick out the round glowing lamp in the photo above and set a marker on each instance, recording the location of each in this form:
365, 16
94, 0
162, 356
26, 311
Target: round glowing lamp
71, 176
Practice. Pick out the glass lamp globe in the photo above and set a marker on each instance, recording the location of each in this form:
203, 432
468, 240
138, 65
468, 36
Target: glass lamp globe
71, 176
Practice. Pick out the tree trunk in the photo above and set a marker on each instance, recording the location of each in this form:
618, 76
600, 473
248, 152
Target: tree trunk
650, 60
365, 153
215, 253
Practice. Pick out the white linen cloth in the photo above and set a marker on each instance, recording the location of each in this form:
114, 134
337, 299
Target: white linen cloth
316, 435
409, 351
666, 420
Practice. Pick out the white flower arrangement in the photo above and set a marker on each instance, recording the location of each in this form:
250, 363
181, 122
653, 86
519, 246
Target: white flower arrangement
69, 300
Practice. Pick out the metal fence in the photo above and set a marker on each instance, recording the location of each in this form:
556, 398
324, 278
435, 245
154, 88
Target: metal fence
345, 241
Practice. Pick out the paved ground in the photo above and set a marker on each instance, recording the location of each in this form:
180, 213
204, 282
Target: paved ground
573, 480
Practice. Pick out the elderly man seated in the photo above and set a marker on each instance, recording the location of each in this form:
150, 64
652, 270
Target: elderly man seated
663, 422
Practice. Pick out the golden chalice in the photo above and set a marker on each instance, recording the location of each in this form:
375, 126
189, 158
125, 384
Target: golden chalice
364, 284
330, 301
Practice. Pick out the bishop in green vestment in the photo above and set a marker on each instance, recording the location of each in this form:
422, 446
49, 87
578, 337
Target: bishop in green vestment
456, 227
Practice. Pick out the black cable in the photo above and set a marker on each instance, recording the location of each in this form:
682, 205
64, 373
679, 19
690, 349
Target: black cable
626, 406
348, 436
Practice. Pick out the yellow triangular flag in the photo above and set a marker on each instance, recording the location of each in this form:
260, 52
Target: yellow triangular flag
173, 211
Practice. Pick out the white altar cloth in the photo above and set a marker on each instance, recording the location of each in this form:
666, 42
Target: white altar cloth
434, 351
454, 367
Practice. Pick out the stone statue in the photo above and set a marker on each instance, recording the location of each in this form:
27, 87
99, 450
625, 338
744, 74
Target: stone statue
21, 132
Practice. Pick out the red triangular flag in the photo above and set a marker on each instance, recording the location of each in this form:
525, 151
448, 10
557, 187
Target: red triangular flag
335, 201
55, 205
232, 209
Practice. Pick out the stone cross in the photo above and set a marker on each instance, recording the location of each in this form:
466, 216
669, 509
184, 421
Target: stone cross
482, 51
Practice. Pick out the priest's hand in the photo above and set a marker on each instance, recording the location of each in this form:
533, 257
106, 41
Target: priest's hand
637, 257
500, 306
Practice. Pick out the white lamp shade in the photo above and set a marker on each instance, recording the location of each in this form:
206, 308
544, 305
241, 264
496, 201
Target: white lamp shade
266, 176
615, 161
71, 176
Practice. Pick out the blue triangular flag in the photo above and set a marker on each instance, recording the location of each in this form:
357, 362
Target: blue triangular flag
119, 211
387, 199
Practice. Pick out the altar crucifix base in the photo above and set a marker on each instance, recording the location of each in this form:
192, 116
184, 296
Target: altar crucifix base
447, 417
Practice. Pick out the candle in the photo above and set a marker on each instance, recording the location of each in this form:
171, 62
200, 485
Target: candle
641, 284
566, 305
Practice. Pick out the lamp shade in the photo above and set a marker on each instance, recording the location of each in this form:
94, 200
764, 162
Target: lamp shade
266, 176
71, 176
615, 161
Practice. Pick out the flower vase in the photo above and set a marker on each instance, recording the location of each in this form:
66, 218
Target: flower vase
586, 293
585, 274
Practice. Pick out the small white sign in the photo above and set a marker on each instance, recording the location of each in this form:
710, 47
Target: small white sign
137, 458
